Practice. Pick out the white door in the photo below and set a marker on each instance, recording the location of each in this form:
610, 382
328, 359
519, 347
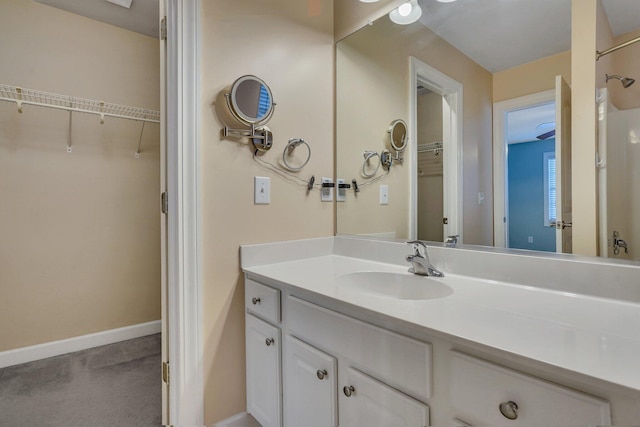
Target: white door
563, 167
264, 390
310, 386
366, 402
164, 295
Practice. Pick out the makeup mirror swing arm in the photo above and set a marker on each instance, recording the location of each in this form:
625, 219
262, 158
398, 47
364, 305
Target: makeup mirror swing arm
254, 132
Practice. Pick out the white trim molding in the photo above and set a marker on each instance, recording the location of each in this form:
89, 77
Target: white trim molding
83, 342
186, 390
500, 178
452, 131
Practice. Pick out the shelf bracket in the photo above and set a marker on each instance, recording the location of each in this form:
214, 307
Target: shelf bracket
69, 140
140, 141
19, 102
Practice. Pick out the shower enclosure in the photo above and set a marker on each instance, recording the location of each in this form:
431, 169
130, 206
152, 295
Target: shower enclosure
618, 162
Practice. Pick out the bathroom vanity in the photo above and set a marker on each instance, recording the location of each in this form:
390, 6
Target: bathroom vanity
339, 333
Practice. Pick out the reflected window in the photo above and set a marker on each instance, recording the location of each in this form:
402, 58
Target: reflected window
264, 102
549, 188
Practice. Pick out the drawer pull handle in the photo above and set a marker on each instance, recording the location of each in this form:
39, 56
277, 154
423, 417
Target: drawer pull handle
322, 373
269, 341
509, 410
348, 390
255, 301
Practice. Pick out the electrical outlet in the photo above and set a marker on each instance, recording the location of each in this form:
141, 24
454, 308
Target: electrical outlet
384, 194
530, 239
341, 193
327, 192
261, 190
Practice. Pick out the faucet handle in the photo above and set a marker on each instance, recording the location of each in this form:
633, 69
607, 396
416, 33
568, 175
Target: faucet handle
417, 244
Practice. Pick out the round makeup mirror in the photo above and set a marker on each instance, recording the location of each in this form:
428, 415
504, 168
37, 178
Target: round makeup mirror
250, 100
398, 135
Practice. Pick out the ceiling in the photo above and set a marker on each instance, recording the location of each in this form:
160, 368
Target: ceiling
142, 17
526, 124
501, 34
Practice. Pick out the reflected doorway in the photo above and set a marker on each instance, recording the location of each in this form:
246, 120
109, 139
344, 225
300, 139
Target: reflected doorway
438, 210
430, 164
528, 144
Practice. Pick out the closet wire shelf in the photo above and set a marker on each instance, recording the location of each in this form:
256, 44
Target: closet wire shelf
22, 96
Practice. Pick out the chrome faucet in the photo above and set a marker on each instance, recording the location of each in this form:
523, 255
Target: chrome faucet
619, 243
452, 240
421, 264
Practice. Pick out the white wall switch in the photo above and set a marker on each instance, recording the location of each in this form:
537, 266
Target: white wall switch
327, 192
384, 194
341, 193
261, 190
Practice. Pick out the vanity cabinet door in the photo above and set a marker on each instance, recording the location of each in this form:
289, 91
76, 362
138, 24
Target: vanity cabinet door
310, 386
264, 388
366, 402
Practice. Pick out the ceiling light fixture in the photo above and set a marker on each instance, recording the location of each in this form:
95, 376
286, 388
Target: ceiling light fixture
407, 13
368, 1
442, 1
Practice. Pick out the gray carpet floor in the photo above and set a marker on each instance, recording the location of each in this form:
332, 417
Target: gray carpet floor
113, 385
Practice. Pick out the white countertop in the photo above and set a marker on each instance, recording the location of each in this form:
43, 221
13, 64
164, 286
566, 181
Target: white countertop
597, 337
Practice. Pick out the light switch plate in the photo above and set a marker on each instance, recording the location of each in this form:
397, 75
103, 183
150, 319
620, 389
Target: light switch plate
384, 194
326, 192
261, 190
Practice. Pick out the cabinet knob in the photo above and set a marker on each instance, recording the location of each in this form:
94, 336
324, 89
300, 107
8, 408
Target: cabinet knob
348, 390
255, 301
509, 410
321, 373
269, 341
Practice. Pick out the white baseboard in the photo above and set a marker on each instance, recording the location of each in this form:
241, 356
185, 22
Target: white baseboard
239, 420
83, 342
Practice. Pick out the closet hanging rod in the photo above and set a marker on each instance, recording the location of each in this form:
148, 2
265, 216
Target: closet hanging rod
432, 146
22, 96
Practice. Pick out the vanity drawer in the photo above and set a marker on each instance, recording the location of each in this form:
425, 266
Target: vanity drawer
478, 388
399, 361
262, 300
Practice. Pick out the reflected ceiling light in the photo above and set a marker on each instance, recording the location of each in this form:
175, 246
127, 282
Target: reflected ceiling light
444, 1
368, 1
407, 13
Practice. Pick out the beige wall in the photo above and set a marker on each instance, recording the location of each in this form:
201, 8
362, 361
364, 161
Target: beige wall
290, 46
583, 70
624, 62
533, 77
378, 57
80, 246
350, 15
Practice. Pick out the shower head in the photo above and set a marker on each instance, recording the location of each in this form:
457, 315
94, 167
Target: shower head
626, 81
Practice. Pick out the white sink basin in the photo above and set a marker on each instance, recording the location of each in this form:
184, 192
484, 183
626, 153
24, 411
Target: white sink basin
394, 285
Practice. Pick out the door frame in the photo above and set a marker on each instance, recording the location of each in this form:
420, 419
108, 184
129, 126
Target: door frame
500, 178
186, 391
451, 91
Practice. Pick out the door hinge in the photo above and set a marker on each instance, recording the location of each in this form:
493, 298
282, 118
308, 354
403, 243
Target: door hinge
165, 372
163, 28
165, 203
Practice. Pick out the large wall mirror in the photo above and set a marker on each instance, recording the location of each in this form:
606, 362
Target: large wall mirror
484, 88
